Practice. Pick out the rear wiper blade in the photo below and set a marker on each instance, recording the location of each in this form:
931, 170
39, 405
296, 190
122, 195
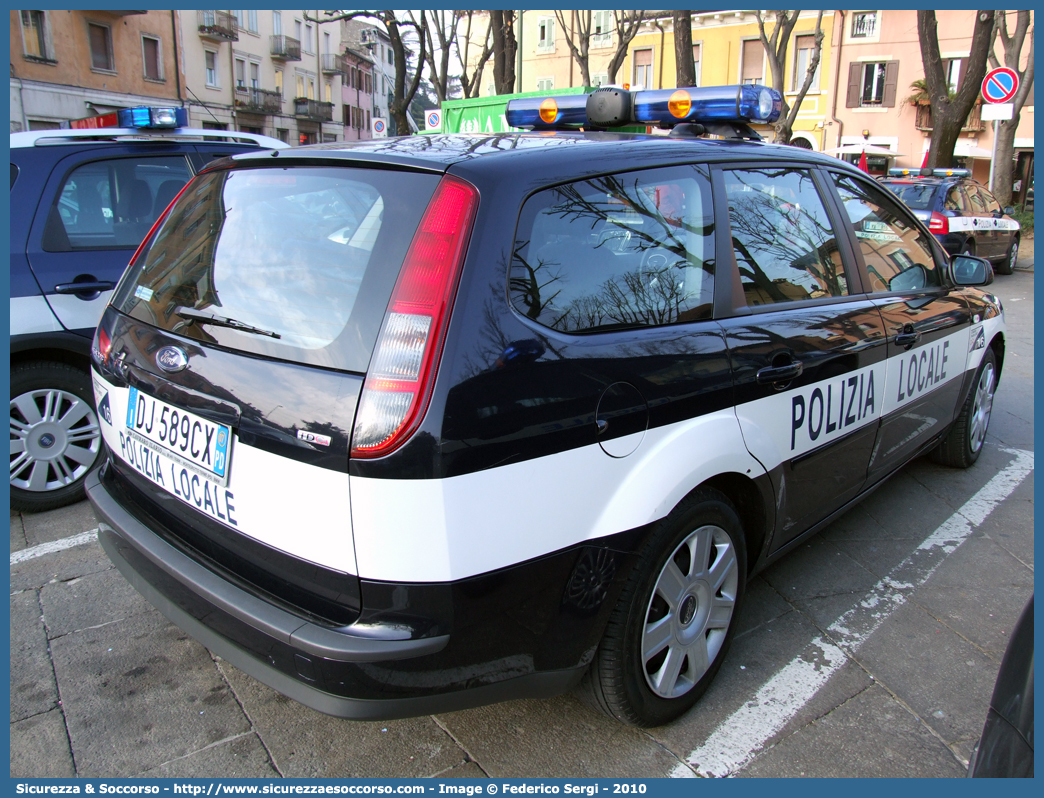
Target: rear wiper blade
221, 321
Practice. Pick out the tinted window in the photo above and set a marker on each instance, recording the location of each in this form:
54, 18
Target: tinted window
628, 250
992, 206
919, 196
112, 204
14, 175
287, 251
978, 201
898, 255
956, 200
785, 246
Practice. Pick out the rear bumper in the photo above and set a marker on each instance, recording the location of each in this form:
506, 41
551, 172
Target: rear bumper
334, 671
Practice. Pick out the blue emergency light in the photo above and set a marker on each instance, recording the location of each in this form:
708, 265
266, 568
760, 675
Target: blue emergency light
614, 107
147, 117
547, 113
899, 171
746, 103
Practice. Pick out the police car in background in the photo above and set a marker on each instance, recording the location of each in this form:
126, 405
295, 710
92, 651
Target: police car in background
82, 199
406, 426
963, 215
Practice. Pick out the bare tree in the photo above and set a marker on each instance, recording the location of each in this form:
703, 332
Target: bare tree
686, 64
578, 38
949, 114
444, 24
404, 87
505, 48
776, 52
1013, 43
628, 24
471, 85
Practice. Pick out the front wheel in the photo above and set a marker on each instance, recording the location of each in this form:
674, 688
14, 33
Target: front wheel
963, 443
674, 620
55, 437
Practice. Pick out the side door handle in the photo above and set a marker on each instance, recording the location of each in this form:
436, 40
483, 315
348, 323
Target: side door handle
774, 374
908, 337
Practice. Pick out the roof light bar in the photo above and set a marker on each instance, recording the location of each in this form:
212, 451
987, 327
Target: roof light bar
615, 107
547, 113
141, 117
910, 172
746, 103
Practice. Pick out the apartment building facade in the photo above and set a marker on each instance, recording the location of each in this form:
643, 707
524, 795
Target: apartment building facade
278, 73
74, 64
374, 44
880, 59
861, 92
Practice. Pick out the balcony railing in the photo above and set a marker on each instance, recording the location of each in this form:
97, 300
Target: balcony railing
313, 109
334, 64
973, 124
864, 26
286, 48
259, 101
218, 25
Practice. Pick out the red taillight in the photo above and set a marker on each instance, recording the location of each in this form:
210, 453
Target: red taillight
102, 344
939, 223
156, 224
406, 358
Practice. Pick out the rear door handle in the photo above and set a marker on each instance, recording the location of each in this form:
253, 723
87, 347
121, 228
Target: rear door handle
773, 374
84, 288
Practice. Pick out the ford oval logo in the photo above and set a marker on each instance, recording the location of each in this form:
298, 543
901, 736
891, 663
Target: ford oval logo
171, 359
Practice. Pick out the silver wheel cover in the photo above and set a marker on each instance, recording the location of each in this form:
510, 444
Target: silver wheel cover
55, 439
689, 613
982, 407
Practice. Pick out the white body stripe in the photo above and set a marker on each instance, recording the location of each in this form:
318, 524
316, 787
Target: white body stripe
296, 508
430, 530
960, 224
788, 424
79, 314
32, 314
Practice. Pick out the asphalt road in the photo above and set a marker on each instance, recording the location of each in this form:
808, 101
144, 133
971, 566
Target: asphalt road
871, 651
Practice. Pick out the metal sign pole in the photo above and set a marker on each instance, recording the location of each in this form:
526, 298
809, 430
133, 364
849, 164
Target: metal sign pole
993, 158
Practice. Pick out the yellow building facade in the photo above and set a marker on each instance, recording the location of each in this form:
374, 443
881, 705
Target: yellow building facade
726, 46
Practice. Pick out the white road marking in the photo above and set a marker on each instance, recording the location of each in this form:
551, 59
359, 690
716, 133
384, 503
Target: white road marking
54, 546
736, 741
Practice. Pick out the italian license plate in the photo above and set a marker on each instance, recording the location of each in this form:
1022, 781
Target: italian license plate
192, 441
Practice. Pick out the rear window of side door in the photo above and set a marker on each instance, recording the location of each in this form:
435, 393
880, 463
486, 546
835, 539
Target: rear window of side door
925, 319
95, 208
807, 346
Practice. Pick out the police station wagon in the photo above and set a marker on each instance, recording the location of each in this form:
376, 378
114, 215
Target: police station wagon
413, 425
962, 214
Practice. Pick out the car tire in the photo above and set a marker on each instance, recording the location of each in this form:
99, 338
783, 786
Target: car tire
55, 436
963, 443
1007, 266
674, 620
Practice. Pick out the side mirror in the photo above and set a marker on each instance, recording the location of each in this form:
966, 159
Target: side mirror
970, 270
1008, 210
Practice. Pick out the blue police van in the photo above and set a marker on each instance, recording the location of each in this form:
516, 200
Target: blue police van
963, 214
410, 425
82, 200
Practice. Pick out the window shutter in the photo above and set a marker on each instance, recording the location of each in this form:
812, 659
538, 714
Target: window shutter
855, 78
753, 60
891, 83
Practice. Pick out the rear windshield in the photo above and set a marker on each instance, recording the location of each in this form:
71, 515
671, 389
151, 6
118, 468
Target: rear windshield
304, 256
918, 196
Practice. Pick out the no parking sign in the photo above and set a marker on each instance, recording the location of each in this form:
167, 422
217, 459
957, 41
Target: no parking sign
1000, 85
433, 119
379, 128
